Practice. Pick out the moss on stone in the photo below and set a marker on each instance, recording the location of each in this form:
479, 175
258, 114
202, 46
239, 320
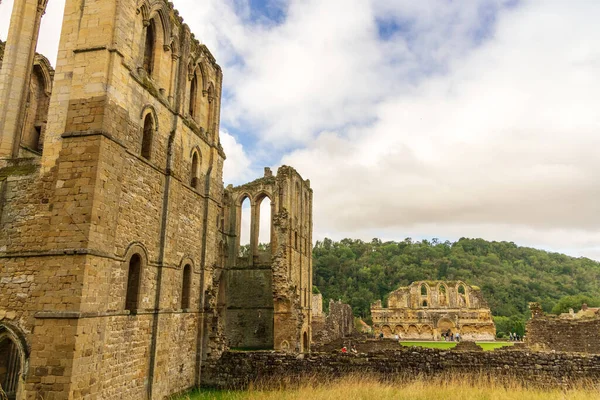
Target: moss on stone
17, 170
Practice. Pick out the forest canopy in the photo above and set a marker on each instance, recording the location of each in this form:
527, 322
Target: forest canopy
509, 276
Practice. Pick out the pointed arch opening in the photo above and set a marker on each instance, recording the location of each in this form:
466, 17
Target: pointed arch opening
38, 101
462, 296
195, 172
193, 106
423, 290
149, 47
186, 287
245, 227
443, 296
264, 225
147, 135
133, 283
10, 366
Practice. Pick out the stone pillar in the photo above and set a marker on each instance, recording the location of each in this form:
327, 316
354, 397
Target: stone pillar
15, 74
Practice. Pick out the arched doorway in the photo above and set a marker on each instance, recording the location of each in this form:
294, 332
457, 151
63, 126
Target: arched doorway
444, 325
11, 364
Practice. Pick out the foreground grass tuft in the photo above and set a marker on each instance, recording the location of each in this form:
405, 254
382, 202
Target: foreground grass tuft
459, 388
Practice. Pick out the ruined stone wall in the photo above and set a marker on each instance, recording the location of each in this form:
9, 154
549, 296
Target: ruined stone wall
427, 309
339, 323
552, 333
70, 227
238, 369
317, 305
282, 320
132, 167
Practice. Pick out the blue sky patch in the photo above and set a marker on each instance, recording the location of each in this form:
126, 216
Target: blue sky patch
262, 12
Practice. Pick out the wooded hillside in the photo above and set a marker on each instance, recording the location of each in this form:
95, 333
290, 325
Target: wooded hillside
509, 276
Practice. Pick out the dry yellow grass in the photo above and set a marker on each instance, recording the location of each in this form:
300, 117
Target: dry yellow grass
449, 388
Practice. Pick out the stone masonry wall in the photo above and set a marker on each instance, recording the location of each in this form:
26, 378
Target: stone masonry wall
339, 323
238, 369
551, 333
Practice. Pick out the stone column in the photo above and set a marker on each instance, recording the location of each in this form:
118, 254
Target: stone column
15, 74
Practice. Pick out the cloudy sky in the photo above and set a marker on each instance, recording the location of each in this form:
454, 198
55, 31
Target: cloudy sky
422, 119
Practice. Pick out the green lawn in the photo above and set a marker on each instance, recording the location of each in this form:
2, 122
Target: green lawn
448, 345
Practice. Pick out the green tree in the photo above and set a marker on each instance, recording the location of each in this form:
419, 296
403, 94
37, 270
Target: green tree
509, 276
575, 302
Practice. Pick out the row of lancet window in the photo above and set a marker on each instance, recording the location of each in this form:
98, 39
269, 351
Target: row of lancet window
149, 65
147, 138
134, 275
442, 295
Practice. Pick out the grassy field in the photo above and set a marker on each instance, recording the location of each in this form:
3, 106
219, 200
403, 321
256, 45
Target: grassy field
448, 345
421, 389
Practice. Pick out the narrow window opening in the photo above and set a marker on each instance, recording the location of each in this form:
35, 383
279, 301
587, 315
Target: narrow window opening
133, 283
462, 298
193, 96
424, 303
264, 227
147, 137
443, 297
423, 290
185, 290
195, 177
36, 138
245, 224
149, 49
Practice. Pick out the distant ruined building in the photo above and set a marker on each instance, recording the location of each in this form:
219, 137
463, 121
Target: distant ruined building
425, 310
338, 323
120, 271
568, 332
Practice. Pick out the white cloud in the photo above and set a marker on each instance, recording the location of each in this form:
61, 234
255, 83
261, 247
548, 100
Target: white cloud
49, 30
469, 118
501, 147
5, 11
237, 166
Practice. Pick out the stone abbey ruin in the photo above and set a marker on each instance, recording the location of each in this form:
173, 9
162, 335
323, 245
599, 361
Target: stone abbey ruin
122, 274
426, 310
120, 270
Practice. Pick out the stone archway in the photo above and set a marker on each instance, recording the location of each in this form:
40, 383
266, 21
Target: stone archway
444, 325
11, 364
426, 332
387, 331
412, 332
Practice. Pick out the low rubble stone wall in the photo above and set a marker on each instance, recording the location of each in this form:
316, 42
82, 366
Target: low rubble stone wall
236, 370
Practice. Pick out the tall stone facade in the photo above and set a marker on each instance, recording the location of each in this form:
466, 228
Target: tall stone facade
425, 310
117, 238
268, 293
